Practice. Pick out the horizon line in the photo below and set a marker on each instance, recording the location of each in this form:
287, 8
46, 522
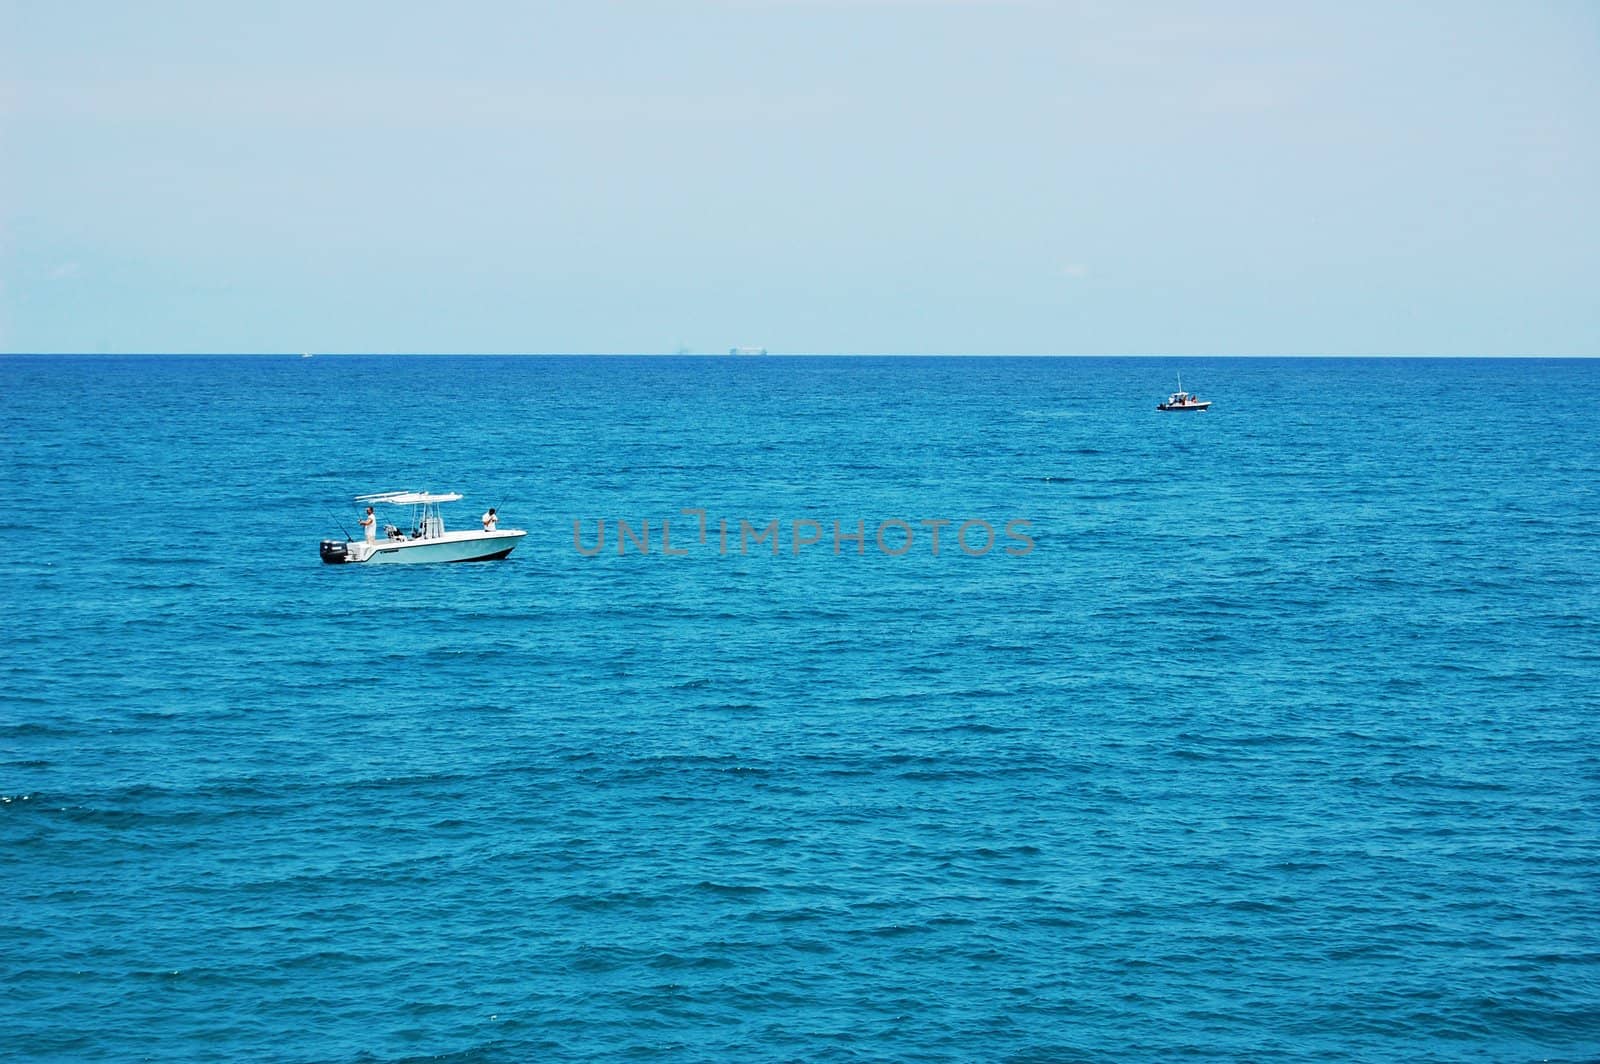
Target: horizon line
745, 357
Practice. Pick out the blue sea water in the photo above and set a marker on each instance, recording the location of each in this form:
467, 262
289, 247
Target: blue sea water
1281, 743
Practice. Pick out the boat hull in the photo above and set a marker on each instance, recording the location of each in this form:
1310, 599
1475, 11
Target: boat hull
450, 547
1181, 408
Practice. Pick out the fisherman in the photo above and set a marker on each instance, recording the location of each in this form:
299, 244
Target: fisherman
490, 520
370, 523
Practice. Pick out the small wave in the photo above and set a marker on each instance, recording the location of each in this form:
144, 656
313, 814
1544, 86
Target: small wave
674, 961
731, 890
34, 729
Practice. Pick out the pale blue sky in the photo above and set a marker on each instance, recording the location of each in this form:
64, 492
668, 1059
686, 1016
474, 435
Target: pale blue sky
805, 175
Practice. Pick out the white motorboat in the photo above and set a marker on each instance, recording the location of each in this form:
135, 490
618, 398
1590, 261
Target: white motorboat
423, 539
1182, 400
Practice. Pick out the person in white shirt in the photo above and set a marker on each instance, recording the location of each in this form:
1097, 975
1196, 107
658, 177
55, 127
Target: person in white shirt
490, 520
370, 523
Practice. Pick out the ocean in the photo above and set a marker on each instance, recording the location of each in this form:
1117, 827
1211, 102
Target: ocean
1271, 732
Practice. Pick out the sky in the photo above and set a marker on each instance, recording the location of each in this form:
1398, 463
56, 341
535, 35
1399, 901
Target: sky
809, 176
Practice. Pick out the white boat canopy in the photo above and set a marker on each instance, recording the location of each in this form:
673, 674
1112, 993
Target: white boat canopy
407, 498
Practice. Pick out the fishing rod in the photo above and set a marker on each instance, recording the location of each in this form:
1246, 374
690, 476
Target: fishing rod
340, 523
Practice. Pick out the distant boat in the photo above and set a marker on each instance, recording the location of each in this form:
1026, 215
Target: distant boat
305, 354
747, 350
1181, 400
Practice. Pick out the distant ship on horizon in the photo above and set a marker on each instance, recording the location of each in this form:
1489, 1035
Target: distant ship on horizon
747, 350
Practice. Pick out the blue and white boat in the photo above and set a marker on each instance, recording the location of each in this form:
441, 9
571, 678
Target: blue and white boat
422, 538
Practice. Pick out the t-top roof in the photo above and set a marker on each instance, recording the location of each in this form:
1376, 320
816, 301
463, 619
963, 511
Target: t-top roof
406, 498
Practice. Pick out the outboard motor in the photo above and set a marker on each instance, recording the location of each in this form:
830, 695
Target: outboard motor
335, 551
